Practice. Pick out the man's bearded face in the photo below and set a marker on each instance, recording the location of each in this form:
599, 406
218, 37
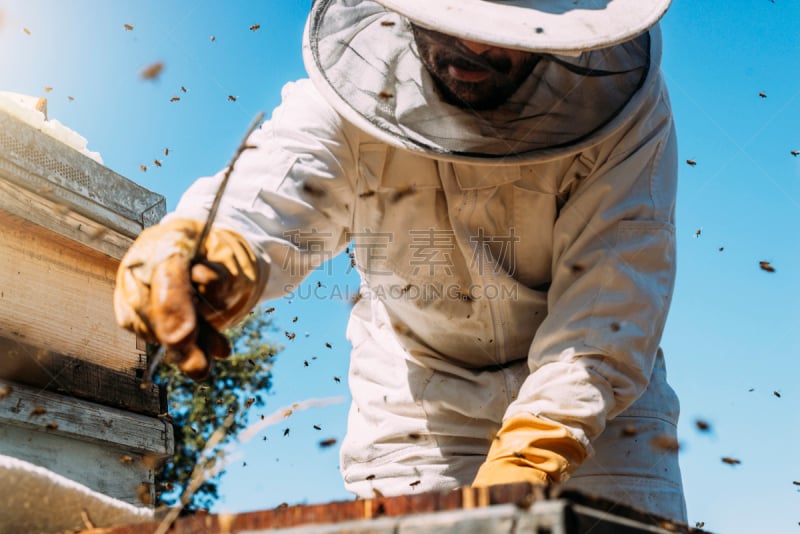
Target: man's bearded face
472, 75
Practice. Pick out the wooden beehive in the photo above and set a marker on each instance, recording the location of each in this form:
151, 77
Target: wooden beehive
506, 509
70, 395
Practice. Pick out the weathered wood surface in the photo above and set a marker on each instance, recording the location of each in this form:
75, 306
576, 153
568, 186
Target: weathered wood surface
50, 371
56, 217
513, 508
113, 471
53, 170
108, 450
57, 295
79, 420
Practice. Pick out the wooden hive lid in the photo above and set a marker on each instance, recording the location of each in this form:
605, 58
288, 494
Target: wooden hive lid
46, 175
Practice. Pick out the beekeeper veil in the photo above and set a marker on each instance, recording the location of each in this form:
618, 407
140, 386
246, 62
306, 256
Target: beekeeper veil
589, 59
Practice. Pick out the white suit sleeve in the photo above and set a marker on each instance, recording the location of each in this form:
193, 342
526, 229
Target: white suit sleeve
291, 195
613, 276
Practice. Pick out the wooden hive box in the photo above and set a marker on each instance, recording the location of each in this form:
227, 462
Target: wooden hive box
70, 395
505, 509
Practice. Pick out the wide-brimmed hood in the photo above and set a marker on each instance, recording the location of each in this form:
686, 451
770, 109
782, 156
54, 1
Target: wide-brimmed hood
364, 59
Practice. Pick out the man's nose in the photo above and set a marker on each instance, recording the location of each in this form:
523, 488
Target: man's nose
476, 47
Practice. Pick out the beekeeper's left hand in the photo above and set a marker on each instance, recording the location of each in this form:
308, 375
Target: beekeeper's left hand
530, 449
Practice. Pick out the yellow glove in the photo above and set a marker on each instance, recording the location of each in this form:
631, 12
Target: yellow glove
165, 297
530, 449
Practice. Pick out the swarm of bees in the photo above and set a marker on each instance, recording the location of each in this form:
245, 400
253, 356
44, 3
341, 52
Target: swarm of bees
153, 71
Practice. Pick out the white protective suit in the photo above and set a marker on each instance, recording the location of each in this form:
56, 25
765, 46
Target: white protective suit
518, 260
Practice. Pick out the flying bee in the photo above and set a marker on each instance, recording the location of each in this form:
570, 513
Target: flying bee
665, 443
337, 379
255, 27
402, 192
125, 459
143, 168
327, 442
51, 426
97, 233
37, 410
765, 266
328, 345
577, 268
143, 493
26, 30
777, 394
212, 38
175, 99
48, 89
793, 152
128, 27
151, 72
232, 98
387, 23
762, 95
385, 95
317, 427
702, 426
415, 483
691, 162
286, 431
157, 163
730, 461
313, 190
183, 89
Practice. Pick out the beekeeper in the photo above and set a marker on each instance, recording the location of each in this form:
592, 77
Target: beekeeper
505, 173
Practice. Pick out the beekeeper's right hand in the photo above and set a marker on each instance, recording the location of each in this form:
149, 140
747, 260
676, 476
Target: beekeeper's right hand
167, 297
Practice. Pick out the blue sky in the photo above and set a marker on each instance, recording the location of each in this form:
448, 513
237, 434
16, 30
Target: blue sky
731, 340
